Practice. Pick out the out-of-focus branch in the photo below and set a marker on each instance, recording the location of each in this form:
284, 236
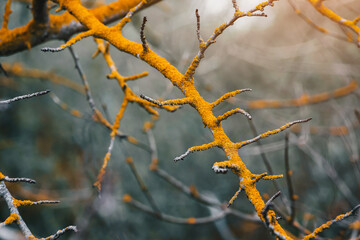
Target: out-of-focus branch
17, 70
168, 218
333, 16
289, 182
305, 99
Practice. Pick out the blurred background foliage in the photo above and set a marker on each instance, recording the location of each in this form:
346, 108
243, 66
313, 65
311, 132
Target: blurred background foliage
279, 57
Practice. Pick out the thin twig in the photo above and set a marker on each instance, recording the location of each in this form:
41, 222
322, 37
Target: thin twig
177, 220
142, 185
267, 162
83, 79
31, 95
142, 35
268, 222
289, 182
269, 133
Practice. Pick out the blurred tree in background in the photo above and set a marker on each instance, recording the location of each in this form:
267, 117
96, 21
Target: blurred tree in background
300, 61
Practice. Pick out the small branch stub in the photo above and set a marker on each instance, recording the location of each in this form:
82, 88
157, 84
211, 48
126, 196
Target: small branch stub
142, 35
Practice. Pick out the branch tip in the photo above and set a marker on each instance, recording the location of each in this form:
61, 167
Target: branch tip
198, 26
220, 170
181, 157
142, 35
48, 49
269, 203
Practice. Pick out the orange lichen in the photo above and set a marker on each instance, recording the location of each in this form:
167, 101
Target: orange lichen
132, 140
349, 24
308, 216
304, 99
326, 225
118, 118
18, 203
1, 176
16, 69
147, 126
262, 5
6, 16
33, 33
12, 218
191, 220
191, 96
234, 197
193, 191
294, 197
76, 113
154, 164
308, 20
100, 176
266, 196
129, 160
334, 130
355, 225
127, 198
136, 76
232, 112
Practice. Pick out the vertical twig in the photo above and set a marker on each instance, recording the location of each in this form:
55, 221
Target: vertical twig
266, 161
83, 79
289, 182
142, 35
142, 185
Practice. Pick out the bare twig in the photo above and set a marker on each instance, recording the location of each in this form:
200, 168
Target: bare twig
31, 95
269, 133
289, 182
142, 35
142, 185
268, 222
